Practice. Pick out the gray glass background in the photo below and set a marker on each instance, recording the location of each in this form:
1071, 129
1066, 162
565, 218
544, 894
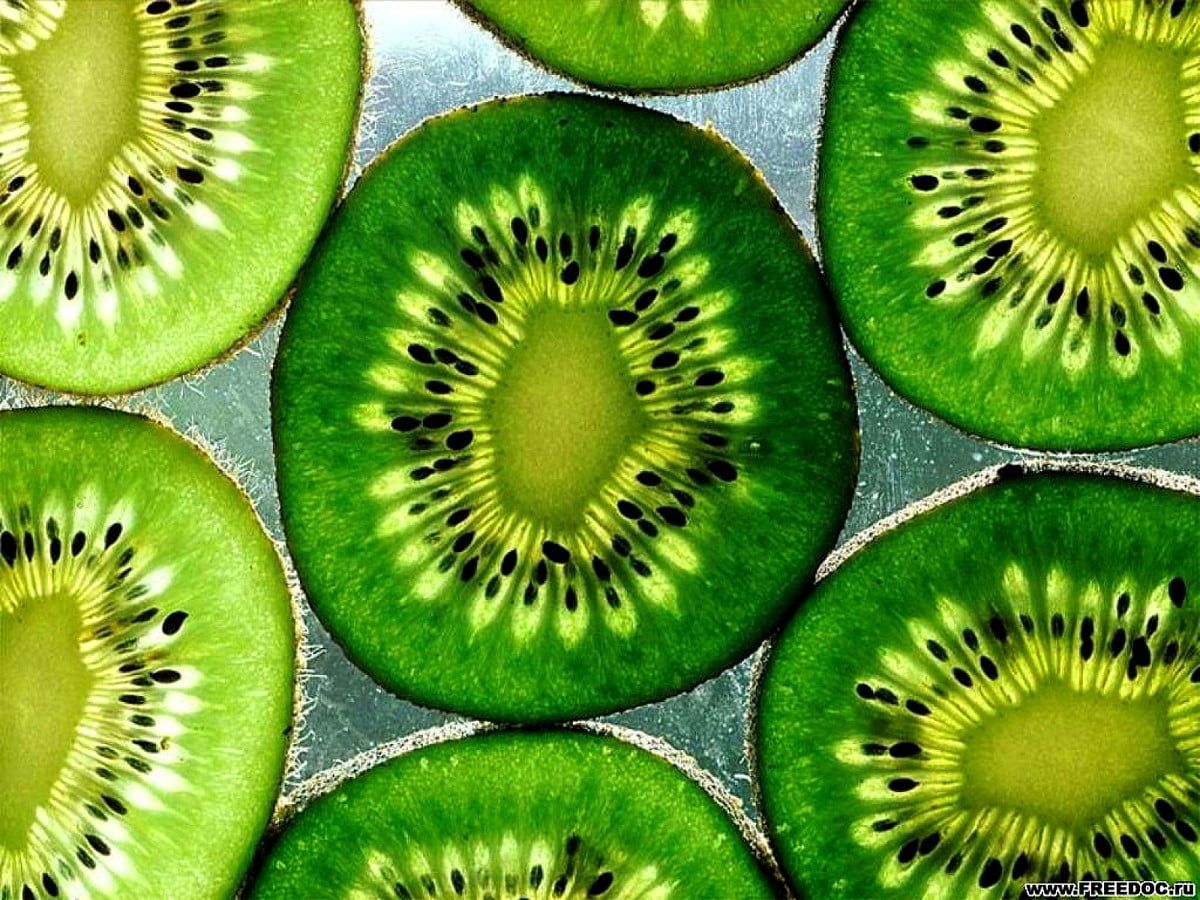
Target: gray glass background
426, 57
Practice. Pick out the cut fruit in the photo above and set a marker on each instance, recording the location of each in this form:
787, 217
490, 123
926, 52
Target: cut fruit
564, 428
1003, 690
659, 46
146, 663
508, 815
1010, 206
166, 166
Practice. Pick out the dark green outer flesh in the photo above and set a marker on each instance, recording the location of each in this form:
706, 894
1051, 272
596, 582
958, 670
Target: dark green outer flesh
600, 154
884, 54
526, 784
1094, 528
743, 40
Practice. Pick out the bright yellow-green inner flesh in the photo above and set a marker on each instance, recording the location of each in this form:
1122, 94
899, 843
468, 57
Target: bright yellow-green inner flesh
1066, 756
1114, 147
44, 685
564, 412
81, 87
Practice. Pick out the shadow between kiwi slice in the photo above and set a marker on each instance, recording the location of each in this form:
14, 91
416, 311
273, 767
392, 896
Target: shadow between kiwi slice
146, 663
596, 811
165, 167
562, 416
1000, 686
1009, 197
659, 46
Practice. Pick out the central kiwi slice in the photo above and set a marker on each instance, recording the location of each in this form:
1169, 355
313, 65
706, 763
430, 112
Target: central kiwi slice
562, 415
508, 815
146, 662
659, 46
165, 166
1010, 207
1003, 690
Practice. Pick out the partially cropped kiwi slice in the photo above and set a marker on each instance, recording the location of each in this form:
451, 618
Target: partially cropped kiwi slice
1010, 205
659, 46
165, 166
508, 815
562, 416
146, 662
1003, 690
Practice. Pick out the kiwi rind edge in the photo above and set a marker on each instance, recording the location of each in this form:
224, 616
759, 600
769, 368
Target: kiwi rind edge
838, 31
1041, 465
508, 42
807, 248
317, 786
351, 171
235, 471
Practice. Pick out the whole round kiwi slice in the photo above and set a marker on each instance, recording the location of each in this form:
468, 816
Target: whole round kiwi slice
1004, 689
146, 663
165, 166
659, 46
516, 814
563, 420
1010, 206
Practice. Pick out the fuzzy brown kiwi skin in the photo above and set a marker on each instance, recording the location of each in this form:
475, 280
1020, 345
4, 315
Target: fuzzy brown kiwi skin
763, 661
825, 298
517, 46
295, 802
276, 312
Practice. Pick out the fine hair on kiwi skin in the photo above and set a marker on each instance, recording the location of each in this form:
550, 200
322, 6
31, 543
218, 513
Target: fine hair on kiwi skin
361, 121
279, 419
474, 15
296, 800
237, 473
1181, 484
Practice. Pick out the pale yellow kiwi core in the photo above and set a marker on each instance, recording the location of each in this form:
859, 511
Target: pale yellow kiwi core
1113, 147
1067, 756
44, 685
563, 412
81, 88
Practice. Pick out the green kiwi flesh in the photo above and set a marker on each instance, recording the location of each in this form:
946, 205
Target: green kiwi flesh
146, 663
659, 46
508, 815
563, 420
1010, 203
1004, 689
165, 166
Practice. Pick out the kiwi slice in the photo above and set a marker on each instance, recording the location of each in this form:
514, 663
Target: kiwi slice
146, 663
659, 46
507, 815
165, 166
1009, 197
1004, 689
562, 416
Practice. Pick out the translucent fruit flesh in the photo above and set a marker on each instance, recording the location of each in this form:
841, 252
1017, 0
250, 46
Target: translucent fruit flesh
660, 46
1002, 690
165, 168
519, 406
1009, 214
146, 658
